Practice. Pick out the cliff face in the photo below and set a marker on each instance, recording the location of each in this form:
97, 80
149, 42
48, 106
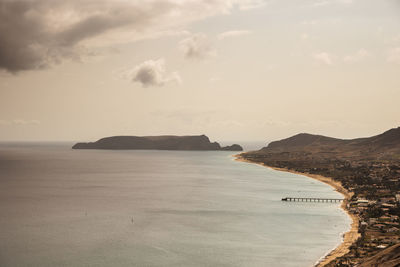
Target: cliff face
165, 142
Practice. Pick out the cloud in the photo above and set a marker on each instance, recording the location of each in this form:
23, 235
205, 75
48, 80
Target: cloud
152, 73
37, 34
304, 36
394, 40
251, 4
277, 123
325, 21
26, 122
197, 46
345, 1
41, 33
323, 58
321, 3
358, 56
195, 120
309, 22
19, 122
393, 55
214, 79
234, 33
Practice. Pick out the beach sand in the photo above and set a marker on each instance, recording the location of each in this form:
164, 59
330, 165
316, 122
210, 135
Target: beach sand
350, 236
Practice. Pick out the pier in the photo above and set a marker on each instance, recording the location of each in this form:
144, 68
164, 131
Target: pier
311, 199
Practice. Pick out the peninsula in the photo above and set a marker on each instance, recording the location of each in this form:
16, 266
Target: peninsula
164, 142
367, 172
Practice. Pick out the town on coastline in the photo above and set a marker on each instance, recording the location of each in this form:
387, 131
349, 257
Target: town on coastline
368, 168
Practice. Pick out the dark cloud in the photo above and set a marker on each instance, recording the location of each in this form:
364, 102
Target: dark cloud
35, 34
20, 31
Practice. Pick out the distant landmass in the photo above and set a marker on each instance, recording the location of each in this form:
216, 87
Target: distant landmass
164, 142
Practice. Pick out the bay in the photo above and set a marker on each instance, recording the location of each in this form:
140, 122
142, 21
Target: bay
64, 207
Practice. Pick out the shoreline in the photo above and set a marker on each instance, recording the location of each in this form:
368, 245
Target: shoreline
348, 237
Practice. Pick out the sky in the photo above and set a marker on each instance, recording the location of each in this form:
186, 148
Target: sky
249, 70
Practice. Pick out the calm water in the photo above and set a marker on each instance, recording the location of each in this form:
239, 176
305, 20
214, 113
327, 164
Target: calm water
63, 207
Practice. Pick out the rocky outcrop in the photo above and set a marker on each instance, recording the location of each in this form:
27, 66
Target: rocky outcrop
234, 147
165, 142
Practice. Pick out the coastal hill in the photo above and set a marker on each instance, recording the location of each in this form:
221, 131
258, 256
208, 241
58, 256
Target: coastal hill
382, 146
369, 169
164, 142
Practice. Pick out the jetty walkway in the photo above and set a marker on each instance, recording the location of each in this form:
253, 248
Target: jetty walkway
311, 199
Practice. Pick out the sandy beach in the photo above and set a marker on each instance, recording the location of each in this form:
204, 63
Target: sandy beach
350, 236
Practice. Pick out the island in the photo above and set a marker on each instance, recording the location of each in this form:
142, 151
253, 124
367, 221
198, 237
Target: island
163, 142
367, 172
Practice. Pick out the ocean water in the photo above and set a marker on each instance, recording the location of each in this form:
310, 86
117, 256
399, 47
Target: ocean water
64, 207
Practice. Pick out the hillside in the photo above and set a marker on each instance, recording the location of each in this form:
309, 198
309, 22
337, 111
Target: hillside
165, 142
382, 146
389, 257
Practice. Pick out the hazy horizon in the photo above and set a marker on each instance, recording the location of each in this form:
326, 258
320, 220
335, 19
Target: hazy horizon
249, 70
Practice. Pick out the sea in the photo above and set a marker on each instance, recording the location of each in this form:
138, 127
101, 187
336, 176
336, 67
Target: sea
64, 207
